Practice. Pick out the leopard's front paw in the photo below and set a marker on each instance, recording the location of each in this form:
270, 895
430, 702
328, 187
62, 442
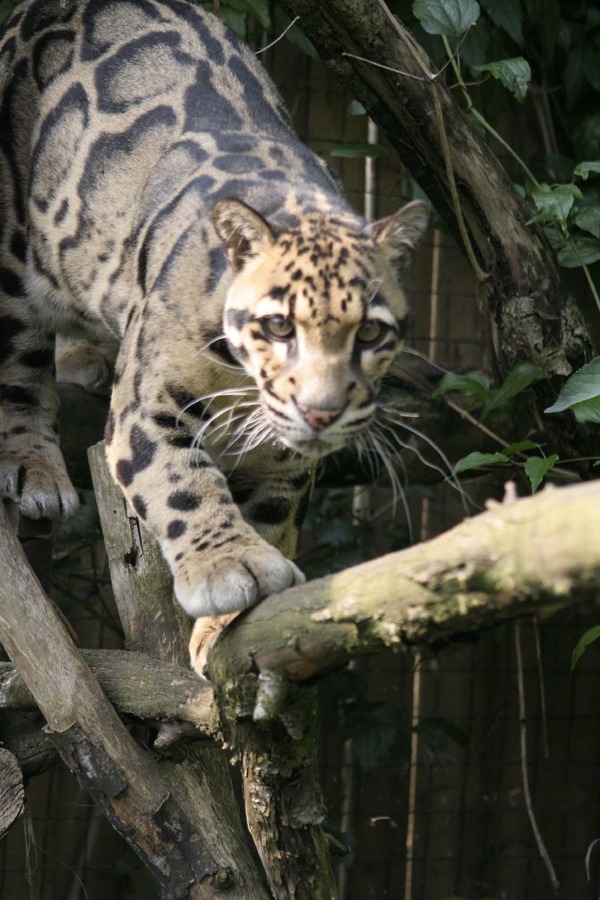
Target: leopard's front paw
40, 487
225, 581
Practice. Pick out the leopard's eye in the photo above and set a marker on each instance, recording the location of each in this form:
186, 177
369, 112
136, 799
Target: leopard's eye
370, 331
278, 328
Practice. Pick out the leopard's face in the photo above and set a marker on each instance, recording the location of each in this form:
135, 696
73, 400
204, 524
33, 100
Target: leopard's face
316, 316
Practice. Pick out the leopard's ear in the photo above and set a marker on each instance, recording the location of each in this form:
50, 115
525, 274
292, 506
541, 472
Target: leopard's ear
400, 233
243, 231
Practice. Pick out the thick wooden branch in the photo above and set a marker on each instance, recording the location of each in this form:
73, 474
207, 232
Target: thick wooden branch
529, 556
136, 684
537, 318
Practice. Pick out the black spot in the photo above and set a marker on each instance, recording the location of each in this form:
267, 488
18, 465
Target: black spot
143, 451
183, 500
10, 328
18, 245
239, 165
199, 463
176, 528
181, 441
139, 505
20, 396
21, 478
38, 359
271, 512
183, 399
238, 318
165, 421
61, 212
274, 175
11, 283
142, 265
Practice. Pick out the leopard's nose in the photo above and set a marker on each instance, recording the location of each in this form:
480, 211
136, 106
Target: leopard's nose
318, 417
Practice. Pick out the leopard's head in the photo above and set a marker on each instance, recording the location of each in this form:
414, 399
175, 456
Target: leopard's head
315, 314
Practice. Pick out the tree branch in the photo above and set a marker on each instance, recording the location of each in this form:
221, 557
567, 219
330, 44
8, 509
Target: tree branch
530, 556
177, 693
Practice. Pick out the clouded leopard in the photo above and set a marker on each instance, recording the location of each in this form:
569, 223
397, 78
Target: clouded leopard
152, 190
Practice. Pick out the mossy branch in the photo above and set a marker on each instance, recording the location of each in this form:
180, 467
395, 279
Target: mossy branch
524, 557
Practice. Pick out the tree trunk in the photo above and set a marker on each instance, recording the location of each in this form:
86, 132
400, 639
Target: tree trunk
537, 318
276, 767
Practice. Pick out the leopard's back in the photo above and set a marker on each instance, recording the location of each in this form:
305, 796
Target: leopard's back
129, 110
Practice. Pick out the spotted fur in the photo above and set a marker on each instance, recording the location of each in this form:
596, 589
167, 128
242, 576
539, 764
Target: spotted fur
153, 192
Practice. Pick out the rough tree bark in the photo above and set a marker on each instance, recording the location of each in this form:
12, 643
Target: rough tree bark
531, 556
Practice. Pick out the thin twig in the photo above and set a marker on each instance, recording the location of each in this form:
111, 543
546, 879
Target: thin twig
538, 656
524, 773
277, 39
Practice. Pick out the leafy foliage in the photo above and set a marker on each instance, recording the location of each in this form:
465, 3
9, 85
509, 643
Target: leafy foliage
581, 394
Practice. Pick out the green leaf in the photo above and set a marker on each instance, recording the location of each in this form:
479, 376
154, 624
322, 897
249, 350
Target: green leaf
506, 15
591, 635
586, 168
588, 411
520, 447
574, 253
589, 220
554, 202
536, 468
581, 393
518, 380
477, 460
450, 18
514, 74
474, 385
